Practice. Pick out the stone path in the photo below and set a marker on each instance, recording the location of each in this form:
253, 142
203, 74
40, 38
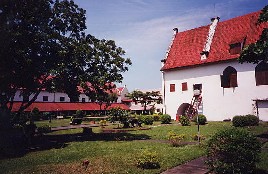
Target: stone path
196, 166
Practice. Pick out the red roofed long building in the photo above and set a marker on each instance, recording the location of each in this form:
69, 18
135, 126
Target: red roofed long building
201, 72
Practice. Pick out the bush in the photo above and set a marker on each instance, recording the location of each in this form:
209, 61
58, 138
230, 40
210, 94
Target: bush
246, 120
35, 114
184, 120
147, 120
175, 139
196, 136
233, 151
148, 160
156, 117
79, 114
202, 119
44, 129
165, 119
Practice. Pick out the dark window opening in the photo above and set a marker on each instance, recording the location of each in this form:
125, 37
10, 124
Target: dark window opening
229, 78
197, 89
261, 73
45, 98
83, 100
25, 98
172, 88
62, 99
184, 86
235, 48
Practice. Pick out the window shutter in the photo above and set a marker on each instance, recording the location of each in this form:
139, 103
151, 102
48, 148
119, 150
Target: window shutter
265, 76
184, 86
172, 88
233, 80
224, 82
261, 78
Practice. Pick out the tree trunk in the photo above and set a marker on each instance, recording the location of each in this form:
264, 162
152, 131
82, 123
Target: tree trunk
5, 117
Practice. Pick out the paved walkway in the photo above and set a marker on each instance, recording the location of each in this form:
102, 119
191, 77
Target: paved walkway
196, 166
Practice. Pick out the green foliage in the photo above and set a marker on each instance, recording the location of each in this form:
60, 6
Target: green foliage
245, 120
202, 119
165, 119
156, 117
196, 136
35, 114
184, 120
79, 114
175, 139
257, 52
44, 129
146, 119
233, 151
148, 160
118, 114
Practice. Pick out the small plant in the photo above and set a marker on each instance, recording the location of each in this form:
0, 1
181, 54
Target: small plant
201, 137
79, 114
233, 151
148, 160
175, 139
103, 123
184, 120
201, 119
245, 120
165, 119
44, 129
35, 114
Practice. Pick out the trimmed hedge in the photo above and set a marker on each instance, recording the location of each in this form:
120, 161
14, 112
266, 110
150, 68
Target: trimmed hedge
233, 151
165, 119
202, 119
184, 120
245, 120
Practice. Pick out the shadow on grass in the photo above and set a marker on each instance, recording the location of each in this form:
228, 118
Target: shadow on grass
46, 142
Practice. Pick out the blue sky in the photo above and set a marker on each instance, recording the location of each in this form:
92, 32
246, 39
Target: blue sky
144, 28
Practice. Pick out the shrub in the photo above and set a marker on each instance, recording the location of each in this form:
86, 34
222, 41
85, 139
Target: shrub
202, 119
148, 160
233, 151
201, 137
246, 120
156, 117
44, 129
165, 119
184, 120
35, 114
79, 114
147, 120
175, 139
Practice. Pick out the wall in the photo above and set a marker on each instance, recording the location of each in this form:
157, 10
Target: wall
218, 103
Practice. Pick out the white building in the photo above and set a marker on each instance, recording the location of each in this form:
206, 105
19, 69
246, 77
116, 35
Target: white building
205, 59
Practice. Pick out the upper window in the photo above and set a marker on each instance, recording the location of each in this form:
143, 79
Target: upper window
261, 73
172, 88
229, 78
235, 48
62, 99
45, 98
184, 86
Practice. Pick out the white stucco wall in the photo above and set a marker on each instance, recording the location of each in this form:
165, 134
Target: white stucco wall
218, 103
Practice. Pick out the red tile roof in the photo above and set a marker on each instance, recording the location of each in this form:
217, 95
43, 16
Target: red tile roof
187, 45
48, 107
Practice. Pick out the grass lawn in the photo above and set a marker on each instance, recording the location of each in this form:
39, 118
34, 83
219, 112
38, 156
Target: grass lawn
114, 152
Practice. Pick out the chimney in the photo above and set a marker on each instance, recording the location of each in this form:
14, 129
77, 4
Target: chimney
175, 30
211, 32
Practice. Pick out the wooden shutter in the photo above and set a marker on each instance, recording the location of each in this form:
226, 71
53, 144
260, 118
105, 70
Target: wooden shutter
172, 88
224, 81
184, 86
233, 80
261, 78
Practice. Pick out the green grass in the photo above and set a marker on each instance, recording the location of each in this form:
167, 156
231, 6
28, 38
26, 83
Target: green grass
116, 153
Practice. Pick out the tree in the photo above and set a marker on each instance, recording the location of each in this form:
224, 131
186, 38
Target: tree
145, 98
258, 51
46, 48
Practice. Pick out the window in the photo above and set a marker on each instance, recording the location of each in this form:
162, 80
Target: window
235, 48
172, 88
184, 86
45, 98
229, 78
261, 73
62, 99
83, 100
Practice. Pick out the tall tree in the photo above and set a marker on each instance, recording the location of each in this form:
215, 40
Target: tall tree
145, 98
258, 51
44, 45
